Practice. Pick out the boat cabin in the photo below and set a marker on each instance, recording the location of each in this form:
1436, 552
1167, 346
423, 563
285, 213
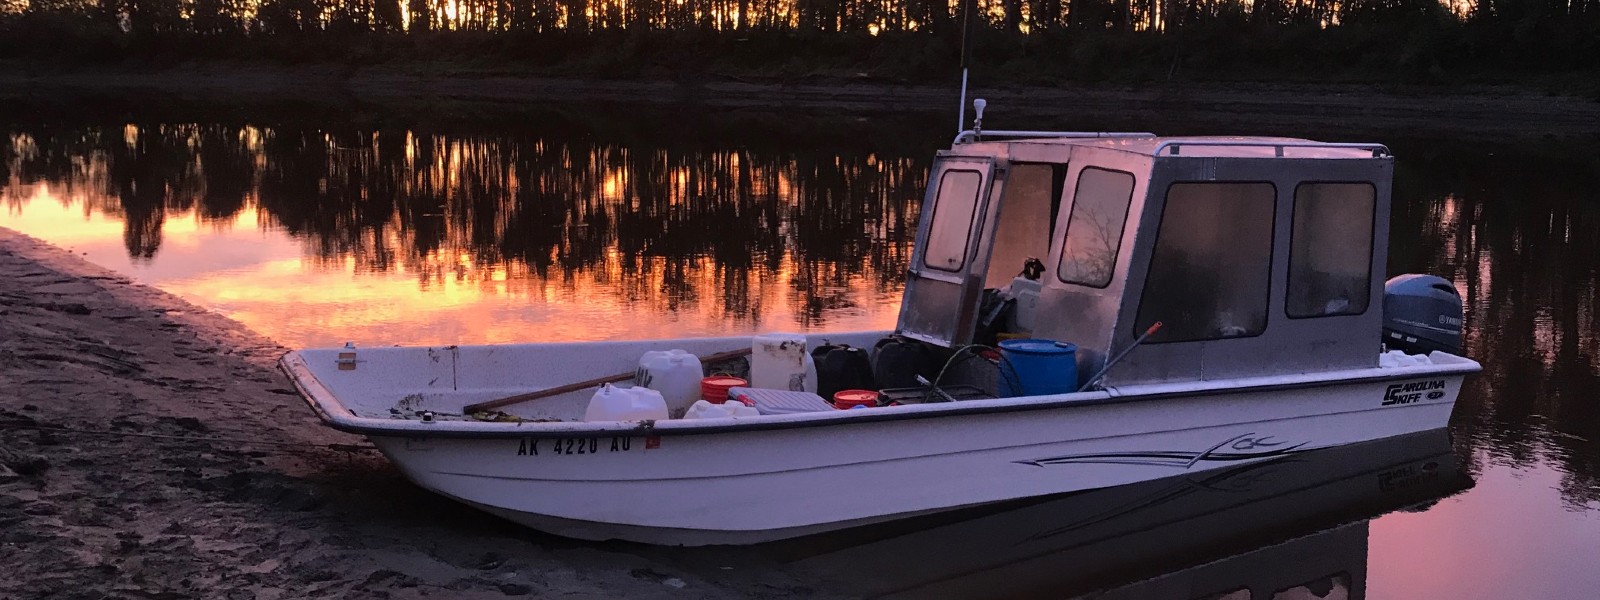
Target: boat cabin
1259, 256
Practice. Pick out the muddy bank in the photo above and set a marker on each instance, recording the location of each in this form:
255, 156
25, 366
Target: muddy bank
447, 91
151, 450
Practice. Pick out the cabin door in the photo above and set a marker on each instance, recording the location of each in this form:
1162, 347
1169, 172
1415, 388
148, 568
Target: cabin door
941, 300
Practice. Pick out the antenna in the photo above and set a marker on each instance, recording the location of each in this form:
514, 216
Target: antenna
961, 117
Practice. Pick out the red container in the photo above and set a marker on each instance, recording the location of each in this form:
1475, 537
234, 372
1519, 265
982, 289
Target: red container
714, 389
848, 399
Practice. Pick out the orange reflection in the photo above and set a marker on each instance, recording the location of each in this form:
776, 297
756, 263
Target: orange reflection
317, 238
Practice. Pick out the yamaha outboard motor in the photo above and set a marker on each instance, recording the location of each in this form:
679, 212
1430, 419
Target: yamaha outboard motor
1421, 313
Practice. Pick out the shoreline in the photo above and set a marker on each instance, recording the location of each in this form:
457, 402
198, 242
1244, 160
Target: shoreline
151, 448
1477, 109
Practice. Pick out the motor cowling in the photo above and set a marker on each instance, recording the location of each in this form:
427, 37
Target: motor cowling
1421, 314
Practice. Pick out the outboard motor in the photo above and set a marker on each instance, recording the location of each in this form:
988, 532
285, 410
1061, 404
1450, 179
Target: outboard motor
1421, 314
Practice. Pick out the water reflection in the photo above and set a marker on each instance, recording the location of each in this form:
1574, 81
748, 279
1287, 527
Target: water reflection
1519, 233
1289, 528
665, 227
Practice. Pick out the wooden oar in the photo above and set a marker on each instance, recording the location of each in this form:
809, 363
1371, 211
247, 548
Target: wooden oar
488, 405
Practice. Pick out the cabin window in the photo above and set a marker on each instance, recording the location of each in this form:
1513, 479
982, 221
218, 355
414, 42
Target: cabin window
953, 213
1330, 249
1210, 271
1027, 211
1094, 230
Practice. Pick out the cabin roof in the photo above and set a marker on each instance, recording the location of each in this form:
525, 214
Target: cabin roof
1218, 146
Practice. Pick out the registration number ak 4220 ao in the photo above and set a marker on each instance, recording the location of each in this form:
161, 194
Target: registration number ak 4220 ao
576, 446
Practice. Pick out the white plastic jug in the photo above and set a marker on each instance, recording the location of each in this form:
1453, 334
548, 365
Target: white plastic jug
611, 403
706, 410
810, 384
674, 373
1026, 293
779, 361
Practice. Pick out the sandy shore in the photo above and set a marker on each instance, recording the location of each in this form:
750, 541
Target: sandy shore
163, 509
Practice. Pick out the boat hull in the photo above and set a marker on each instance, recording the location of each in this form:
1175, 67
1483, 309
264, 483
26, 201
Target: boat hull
760, 484
1221, 530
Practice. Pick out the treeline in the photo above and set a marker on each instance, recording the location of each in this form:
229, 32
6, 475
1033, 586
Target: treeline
891, 38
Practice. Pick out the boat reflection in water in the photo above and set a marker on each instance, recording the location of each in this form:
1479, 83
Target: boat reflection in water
1293, 528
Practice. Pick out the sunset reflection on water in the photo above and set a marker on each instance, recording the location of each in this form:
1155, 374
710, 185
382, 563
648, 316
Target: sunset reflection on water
263, 280
479, 240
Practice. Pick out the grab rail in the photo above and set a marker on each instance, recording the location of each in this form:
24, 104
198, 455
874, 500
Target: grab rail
972, 135
1378, 150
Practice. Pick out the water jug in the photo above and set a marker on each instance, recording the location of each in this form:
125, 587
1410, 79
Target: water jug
611, 403
1026, 292
778, 361
674, 373
843, 368
707, 410
810, 383
897, 361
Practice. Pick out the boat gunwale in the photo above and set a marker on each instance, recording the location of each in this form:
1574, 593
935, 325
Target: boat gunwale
321, 399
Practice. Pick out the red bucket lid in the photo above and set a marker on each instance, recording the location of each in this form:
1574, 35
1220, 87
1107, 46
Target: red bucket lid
715, 388
855, 397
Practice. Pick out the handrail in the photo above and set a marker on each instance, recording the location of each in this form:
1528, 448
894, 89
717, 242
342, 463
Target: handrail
969, 135
1378, 150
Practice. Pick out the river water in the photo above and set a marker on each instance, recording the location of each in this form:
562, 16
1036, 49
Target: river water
600, 222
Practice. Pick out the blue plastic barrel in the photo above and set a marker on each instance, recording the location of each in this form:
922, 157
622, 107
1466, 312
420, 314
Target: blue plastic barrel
1037, 367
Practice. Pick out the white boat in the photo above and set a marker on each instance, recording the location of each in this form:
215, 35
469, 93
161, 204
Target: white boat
1262, 258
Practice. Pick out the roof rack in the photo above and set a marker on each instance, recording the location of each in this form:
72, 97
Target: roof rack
971, 135
1378, 150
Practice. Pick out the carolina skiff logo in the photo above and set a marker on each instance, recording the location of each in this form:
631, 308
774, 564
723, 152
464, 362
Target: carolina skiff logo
1406, 393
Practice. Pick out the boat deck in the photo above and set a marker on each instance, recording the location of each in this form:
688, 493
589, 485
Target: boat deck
359, 401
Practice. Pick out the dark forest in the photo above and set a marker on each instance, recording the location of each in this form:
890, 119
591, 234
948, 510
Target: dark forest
1027, 41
